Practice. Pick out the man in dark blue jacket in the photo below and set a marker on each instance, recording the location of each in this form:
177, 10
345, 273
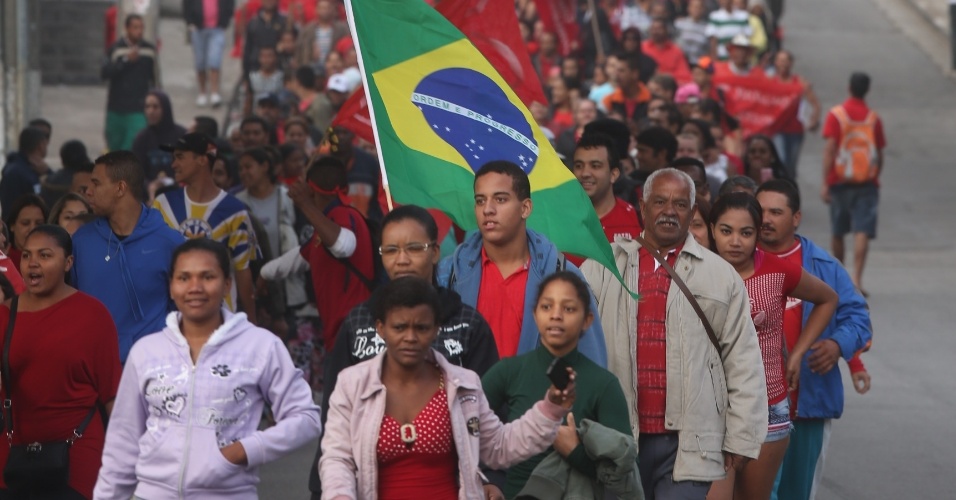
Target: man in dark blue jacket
819, 397
21, 174
123, 257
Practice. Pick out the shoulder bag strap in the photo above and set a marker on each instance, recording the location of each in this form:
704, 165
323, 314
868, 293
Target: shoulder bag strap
683, 287
7, 403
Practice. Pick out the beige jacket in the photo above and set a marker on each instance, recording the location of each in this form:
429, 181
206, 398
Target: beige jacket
715, 403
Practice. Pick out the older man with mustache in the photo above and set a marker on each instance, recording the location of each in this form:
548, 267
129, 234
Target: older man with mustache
698, 405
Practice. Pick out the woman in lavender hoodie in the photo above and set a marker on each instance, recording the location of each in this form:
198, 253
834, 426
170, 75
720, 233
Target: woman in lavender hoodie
409, 424
185, 420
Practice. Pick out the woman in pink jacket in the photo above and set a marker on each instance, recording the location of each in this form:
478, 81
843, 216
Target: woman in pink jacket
407, 424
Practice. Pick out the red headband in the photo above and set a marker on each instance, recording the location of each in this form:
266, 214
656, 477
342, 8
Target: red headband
340, 192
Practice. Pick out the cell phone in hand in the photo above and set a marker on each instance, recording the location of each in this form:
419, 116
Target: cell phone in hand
558, 373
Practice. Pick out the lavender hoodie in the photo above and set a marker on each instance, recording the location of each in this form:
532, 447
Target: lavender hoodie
171, 417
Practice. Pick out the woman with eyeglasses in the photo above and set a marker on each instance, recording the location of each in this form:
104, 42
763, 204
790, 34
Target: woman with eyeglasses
409, 248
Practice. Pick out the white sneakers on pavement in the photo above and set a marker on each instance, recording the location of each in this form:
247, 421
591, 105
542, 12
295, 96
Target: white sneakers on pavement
201, 101
215, 100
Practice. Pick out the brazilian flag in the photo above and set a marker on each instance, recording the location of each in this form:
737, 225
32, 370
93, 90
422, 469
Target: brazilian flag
441, 111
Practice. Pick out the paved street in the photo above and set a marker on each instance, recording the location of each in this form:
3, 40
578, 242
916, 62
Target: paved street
896, 442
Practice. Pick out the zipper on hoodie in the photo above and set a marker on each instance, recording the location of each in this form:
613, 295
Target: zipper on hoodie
189, 423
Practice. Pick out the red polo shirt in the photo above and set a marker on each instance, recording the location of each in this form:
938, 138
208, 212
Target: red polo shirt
653, 284
501, 302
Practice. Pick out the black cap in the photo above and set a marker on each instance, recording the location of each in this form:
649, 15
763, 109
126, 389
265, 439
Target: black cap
268, 99
194, 142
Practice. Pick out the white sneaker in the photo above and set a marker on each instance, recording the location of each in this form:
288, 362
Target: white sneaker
215, 100
201, 100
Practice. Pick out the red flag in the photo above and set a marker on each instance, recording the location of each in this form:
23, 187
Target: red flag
492, 26
560, 17
762, 105
354, 116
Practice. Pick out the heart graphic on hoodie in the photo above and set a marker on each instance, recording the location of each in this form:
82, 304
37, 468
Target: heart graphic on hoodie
174, 404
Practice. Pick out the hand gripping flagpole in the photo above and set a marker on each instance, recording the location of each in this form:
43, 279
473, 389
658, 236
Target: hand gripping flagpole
371, 109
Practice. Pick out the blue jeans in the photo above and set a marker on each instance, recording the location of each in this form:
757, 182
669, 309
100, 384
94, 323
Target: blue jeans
208, 44
788, 146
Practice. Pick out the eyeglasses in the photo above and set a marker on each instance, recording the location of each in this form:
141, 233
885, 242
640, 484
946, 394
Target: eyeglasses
411, 249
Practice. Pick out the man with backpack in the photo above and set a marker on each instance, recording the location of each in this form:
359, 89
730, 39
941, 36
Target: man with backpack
340, 253
852, 162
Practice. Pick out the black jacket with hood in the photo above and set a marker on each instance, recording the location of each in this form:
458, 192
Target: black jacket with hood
147, 142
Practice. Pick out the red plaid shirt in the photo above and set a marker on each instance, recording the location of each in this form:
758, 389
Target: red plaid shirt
653, 285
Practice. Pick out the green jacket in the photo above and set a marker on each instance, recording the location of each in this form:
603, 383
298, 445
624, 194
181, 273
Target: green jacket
519, 382
615, 457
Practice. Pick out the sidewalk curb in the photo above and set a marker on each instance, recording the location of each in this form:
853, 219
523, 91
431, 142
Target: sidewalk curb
942, 25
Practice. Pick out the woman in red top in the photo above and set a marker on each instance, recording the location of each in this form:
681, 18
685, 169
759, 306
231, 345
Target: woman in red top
735, 222
64, 361
28, 212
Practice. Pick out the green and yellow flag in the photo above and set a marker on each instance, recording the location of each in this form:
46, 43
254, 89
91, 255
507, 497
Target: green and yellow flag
441, 111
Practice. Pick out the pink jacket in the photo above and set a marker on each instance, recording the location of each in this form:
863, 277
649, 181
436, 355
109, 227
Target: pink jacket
348, 467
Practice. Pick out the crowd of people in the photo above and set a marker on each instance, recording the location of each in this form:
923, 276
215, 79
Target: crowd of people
199, 301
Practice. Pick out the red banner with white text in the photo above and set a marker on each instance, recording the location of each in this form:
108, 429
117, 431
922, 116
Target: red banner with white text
762, 105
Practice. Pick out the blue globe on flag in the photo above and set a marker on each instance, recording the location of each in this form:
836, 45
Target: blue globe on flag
471, 113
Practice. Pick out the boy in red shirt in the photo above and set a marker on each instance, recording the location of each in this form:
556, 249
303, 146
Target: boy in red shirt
853, 198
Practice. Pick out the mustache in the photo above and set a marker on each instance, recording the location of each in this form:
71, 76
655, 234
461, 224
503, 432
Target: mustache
667, 219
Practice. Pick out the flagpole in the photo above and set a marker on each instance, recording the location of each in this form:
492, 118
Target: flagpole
597, 30
371, 109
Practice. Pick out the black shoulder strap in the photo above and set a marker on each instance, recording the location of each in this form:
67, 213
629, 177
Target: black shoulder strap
7, 410
683, 287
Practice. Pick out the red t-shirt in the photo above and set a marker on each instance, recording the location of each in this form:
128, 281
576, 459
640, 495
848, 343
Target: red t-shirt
793, 315
857, 110
63, 360
620, 221
773, 280
501, 302
653, 284
337, 290
669, 58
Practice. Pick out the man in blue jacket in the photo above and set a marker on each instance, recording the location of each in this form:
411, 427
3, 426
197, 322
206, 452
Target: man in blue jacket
497, 270
123, 257
21, 174
819, 397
